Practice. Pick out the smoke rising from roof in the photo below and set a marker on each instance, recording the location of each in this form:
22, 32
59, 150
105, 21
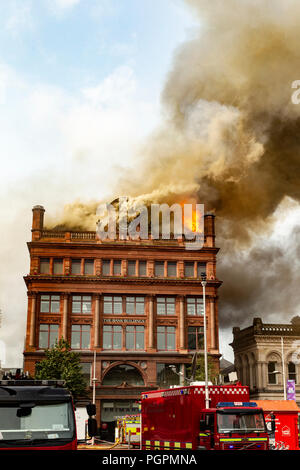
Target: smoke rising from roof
231, 140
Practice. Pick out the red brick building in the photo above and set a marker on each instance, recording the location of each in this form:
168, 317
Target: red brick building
138, 304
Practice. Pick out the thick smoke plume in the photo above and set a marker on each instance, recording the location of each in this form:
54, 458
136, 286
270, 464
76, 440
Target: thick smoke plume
231, 140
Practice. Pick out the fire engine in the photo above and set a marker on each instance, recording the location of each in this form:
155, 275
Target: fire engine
37, 415
178, 419
127, 430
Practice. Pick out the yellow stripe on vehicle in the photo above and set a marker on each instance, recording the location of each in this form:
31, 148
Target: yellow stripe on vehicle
188, 445
257, 439
177, 444
167, 444
230, 440
156, 445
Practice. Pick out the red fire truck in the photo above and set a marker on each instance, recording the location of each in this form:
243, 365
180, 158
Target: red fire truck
37, 415
178, 419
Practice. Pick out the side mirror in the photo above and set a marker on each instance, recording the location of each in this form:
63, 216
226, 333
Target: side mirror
91, 409
202, 425
92, 427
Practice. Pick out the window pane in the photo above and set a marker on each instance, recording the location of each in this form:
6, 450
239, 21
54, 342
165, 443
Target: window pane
117, 268
159, 268
170, 338
161, 341
201, 268
44, 265
57, 266
106, 267
172, 269
75, 339
53, 337
76, 266
107, 307
107, 340
85, 337
45, 303
142, 268
129, 339
87, 304
189, 269
140, 306
43, 336
130, 305
170, 306
89, 266
117, 338
161, 306
192, 337
55, 304
131, 268
140, 337
76, 306
118, 309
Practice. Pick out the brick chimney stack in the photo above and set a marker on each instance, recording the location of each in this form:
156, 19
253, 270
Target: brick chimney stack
37, 222
209, 228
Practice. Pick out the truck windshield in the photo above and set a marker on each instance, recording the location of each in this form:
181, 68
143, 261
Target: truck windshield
231, 421
46, 421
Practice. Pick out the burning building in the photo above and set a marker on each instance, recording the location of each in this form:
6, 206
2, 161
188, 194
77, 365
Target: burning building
137, 303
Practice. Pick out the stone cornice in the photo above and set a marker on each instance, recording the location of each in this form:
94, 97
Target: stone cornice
65, 279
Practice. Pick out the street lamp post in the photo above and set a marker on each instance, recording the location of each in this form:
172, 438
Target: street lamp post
203, 283
94, 380
283, 370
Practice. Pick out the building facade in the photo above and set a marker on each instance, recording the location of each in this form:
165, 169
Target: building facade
266, 356
136, 303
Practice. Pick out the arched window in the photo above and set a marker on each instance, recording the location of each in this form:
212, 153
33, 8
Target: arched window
123, 373
272, 376
292, 371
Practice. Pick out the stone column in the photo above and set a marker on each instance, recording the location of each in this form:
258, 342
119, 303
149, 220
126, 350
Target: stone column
65, 316
151, 323
32, 320
97, 322
212, 324
181, 323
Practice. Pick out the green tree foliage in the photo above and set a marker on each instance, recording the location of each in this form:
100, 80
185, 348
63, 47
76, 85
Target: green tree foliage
200, 370
61, 363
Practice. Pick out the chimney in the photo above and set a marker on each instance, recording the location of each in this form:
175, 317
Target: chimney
209, 228
37, 222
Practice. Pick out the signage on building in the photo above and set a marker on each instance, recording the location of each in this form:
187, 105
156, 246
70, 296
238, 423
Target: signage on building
290, 390
123, 320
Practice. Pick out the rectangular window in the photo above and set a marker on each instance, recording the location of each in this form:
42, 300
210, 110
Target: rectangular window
86, 368
165, 305
50, 303
134, 338
166, 338
201, 268
194, 306
167, 374
106, 267
195, 337
135, 305
159, 268
142, 268
81, 304
292, 371
117, 267
112, 305
172, 269
76, 266
131, 268
189, 269
44, 265
80, 336
48, 335
57, 266
112, 337
88, 266
272, 378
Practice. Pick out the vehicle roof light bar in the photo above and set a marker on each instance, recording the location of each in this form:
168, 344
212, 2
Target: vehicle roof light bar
32, 383
240, 404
